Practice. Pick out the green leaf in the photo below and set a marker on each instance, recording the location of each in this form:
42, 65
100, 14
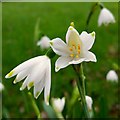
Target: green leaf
50, 111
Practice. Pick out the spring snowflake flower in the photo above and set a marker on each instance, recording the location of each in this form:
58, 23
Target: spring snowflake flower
44, 42
1, 87
58, 104
75, 50
36, 72
89, 102
112, 76
105, 17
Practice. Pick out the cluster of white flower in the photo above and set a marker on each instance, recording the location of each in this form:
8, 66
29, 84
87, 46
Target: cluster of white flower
37, 71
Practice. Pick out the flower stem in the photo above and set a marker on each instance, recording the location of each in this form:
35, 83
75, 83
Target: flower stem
59, 115
81, 87
91, 13
35, 107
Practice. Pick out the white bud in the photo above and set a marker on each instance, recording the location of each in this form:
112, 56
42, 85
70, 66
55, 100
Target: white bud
44, 42
112, 76
105, 17
58, 104
89, 102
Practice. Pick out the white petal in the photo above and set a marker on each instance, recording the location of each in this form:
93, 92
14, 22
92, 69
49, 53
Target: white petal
38, 88
89, 56
89, 102
62, 62
21, 75
112, 76
59, 47
26, 81
47, 84
87, 39
77, 61
72, 35
44, 42
24, 65
105, 17
37, 73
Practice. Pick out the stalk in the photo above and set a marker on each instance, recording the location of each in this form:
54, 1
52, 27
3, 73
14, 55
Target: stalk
81, 87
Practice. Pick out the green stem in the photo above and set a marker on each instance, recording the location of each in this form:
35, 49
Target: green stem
59, 115
81, 87
91, 13
35, 107
82, 78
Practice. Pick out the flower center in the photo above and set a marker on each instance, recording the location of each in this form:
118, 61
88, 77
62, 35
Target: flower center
74, 50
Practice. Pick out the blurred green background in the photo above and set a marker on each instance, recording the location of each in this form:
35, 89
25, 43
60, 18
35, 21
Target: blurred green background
20, 22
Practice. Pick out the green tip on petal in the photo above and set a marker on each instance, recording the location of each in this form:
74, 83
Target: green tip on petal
31, 84
72, 24
9, 74
93, 34
70, 28
47, 102
51, 43
57, 68
15, 81
37, 94
21, 88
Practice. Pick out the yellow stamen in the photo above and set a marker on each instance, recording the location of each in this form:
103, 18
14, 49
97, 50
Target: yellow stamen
79, 47
77, 56
74, 46
71, 49
71, 55
78, 51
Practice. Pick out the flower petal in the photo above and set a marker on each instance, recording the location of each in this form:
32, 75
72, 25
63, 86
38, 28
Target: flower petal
25, 83
24, 65
87, 39
47, 84
62, 62
77, 61
72, 36
89, 56
38, 87
37, 74
21, 76
105, 17
59, 47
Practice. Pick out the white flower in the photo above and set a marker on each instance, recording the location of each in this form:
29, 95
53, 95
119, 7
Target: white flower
75, 50
44, 42
112, 76
58, 104
36, 72
1, 87
105, 17
89, 102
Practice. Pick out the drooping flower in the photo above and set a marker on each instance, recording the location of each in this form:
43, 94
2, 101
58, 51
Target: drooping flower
44, 42
89, 102
58, 104
75, 50
105, 17
1, 87
36, 72
112, 76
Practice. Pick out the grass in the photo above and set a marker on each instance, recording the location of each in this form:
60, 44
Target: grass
18, 27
